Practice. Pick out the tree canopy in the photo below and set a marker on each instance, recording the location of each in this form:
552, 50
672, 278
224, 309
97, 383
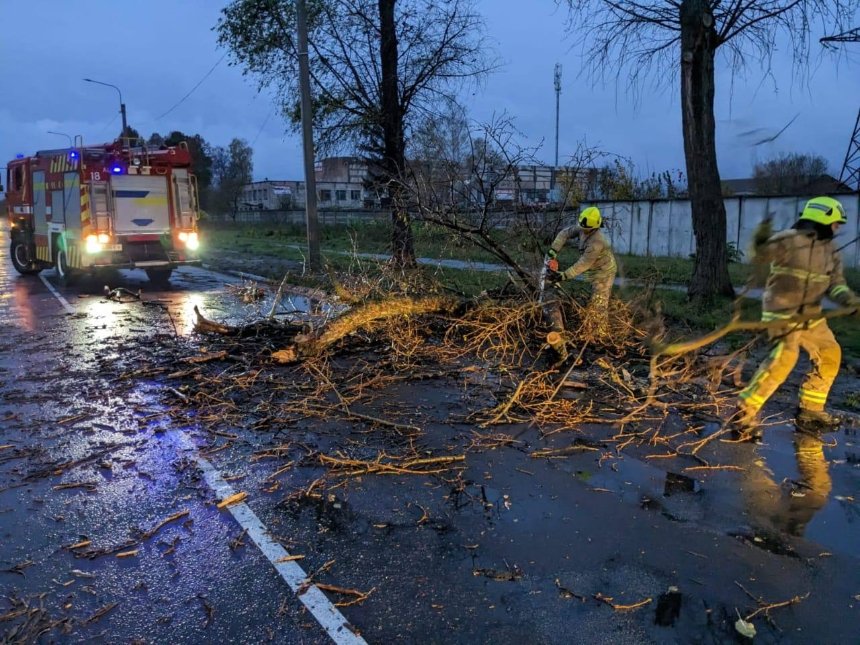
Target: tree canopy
788, 173
650, 39
376, 67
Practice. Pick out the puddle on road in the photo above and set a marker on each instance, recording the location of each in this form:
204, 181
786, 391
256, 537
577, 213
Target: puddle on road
217, 297
814, 486
792, 486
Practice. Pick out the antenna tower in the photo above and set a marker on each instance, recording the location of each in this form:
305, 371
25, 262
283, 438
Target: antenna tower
850, 174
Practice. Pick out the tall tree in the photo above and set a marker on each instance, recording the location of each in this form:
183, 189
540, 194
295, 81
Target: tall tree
201, 154
376, 66
233, 167
655, 37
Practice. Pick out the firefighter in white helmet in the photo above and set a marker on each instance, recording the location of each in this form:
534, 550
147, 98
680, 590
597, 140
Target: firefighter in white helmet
596, 264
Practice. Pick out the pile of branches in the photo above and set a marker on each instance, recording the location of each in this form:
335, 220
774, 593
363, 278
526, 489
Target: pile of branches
342, 368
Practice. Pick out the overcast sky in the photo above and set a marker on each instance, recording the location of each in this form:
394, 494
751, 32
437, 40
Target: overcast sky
156, 51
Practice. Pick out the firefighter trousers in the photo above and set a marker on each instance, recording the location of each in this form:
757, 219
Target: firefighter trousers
824, 352
598, 306
597, 312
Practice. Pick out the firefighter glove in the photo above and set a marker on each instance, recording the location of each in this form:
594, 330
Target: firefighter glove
554, 277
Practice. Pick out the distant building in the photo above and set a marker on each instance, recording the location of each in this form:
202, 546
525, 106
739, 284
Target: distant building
349, 183
820, 185
341, 182
269, 195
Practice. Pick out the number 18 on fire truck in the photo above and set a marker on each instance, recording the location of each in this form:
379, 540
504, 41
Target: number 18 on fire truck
113, 205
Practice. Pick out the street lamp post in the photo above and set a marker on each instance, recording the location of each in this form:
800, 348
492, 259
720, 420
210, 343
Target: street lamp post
121, 104
63, 134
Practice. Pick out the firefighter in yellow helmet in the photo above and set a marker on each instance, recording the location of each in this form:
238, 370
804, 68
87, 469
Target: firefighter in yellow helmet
804, 268
596, 264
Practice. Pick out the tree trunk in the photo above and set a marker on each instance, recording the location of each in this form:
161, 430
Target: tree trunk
699, 43
394, 159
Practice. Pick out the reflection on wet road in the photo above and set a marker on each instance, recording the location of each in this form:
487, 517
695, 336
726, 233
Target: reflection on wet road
91, 463
106, 512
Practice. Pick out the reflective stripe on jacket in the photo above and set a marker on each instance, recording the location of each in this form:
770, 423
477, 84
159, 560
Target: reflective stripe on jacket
803, 270
596, 261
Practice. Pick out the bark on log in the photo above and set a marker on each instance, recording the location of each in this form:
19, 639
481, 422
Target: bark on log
206, 326
364, 317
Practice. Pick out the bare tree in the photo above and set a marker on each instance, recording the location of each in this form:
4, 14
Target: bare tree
787, 174
376, 66
438, 153
515, 235
642, 38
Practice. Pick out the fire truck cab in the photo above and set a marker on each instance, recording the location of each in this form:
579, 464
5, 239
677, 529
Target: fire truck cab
114, 205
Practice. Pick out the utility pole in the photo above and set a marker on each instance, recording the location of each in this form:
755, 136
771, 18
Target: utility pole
850, 174
314, 259
557, 82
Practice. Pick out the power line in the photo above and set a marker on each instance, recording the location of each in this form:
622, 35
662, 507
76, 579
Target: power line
191, 91
260, 131
110, 123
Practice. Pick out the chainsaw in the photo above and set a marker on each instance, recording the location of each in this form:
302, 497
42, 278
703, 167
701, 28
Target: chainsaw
550, 263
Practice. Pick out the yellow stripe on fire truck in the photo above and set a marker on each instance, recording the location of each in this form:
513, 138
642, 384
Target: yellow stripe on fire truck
85, 206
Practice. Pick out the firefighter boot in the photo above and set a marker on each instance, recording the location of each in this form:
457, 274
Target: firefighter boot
815, 421
745, 425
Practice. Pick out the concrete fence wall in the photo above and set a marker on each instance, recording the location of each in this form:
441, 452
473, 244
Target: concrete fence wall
325, 217
664, 228
660, 228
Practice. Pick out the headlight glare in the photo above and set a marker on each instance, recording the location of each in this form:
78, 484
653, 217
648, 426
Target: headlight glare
92, 244
193, 242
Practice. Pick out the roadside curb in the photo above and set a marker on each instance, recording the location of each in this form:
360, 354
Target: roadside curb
239, 274
311, 294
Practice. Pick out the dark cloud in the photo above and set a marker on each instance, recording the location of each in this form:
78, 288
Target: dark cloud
158, 50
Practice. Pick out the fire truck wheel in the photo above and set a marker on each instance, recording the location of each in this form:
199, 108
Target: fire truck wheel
65, 273
159, 276
20, 258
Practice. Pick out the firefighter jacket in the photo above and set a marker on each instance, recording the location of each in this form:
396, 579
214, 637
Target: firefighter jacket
596, 261
803, 270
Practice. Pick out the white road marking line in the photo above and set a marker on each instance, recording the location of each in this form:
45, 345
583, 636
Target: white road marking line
328, 616
57, 295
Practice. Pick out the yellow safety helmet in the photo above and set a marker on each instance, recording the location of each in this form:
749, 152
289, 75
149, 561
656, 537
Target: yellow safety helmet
824, 210
590, 218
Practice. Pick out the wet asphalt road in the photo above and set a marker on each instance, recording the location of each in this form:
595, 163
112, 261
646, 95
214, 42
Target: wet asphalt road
88, 457
91, 464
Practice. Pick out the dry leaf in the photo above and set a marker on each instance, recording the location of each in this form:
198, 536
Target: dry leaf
744, 628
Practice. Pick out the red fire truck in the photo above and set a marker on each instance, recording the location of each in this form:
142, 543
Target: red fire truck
114, 205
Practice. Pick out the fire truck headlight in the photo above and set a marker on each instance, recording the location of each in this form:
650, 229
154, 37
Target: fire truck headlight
183, 236
104, 238
93, 245
193, 242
